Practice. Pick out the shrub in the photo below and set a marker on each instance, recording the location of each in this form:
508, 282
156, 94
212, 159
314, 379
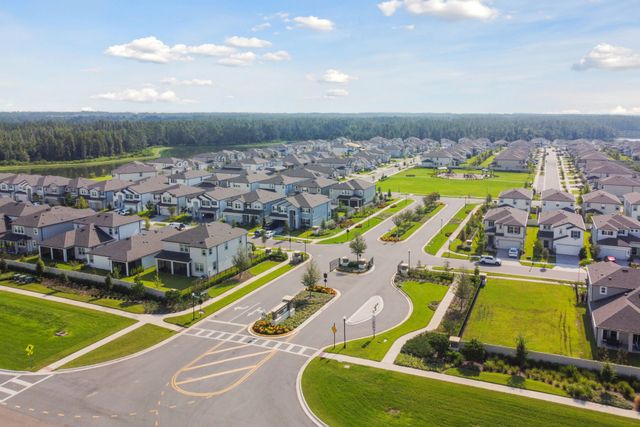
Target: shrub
625, 389
427, 345
607, 373
40, 267
579, 391
473, 351
521, 351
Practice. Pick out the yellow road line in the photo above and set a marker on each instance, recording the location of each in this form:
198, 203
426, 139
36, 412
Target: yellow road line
217, 362
225, 349
217, 374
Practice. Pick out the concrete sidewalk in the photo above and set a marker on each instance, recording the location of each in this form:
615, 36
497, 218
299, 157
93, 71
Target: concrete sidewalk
445, 247
487, 386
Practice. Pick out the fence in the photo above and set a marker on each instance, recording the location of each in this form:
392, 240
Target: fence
595, 365
79, 275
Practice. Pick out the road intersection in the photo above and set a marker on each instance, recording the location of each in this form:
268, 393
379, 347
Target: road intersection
218, 371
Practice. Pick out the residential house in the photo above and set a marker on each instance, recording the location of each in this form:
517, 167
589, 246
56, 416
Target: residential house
73, 244
254, 207
174, 200
134, 171
303, 210
562, 232
354, 193
632, 205
600, 202
613, 295
554, 200
519, 198
124, 257
619, 185
515, 159
112, 224
141, 196
168, 165
190, 177
205, 250
210, 205
616, 235
505, 227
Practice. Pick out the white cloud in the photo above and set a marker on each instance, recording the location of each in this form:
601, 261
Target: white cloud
247, 42
280, 55
336, 93
151, 49
261, 27
87, 109
448, 9
622, 110
388, 8
314, 23
409, 27
145, 95
608, 57
187, 82
238, 59
336, 76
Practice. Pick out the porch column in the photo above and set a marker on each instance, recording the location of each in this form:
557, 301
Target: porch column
51, 253
64, 255
629, 342
188, 265
171, 266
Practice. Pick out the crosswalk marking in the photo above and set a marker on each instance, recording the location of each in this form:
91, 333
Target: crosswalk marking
285, 347
16, 385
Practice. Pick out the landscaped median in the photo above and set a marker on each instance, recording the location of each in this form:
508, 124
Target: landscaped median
440, 239
54, 329
187, 319
346, 394
409, 221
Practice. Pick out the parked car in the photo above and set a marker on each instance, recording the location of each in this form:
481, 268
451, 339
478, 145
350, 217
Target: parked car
257, 233
178, 226
610, 258
490, 260
514, 252
269, 233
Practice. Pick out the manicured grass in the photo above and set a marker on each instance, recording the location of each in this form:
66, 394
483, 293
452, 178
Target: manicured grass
102, 178
137, 340
454, 255
508, 380
353, 231
488, 161
395, 208
262, 267
440, 239
424, 182
545, 314
421, 294
415, 225
131, 307
27, 320
363, 396
529, 242
169, 281
187, 320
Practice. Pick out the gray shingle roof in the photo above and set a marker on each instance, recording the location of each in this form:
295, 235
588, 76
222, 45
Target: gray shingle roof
207, 235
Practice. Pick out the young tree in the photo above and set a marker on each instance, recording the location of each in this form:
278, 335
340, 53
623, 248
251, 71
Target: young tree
108, 282
311, 275
242, 260
545, 254
137, 290
537, 249
157, 282
607, 373
463, 290
263, 237
147, 224
473, 351
116, 272
172, 211
81, 203
521, 350
358, 246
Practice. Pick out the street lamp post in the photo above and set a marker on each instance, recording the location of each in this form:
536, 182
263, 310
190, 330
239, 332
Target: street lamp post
344, 330
409, 253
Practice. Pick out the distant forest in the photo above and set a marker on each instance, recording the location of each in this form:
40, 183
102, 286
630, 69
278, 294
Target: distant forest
28, 137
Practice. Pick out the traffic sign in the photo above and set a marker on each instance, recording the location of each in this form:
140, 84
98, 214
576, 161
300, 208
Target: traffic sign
334, 329
29, 350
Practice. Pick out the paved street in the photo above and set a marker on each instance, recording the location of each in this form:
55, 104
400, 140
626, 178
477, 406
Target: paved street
217, 370
551, 178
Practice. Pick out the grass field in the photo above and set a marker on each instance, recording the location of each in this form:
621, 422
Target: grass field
415, 225
27, 320
138, 339
440, 239
363, 396
423, 182
353, 232
508, 380
545, 314
421, 294
262, 267
186, 320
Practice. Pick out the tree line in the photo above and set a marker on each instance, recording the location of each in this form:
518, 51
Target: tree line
26, 137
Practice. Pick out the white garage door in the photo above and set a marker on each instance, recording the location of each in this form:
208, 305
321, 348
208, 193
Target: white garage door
620, 253
567, 249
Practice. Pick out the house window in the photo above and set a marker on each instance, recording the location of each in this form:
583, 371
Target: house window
512, 229
204, 252
603, 290
18, 229
575, 234
199, 267
184, 248
607, 233
35, 231
226, 245
490, 223
210, 251
215, 265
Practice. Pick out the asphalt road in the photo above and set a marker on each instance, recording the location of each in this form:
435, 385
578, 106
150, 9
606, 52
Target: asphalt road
217, 372
551, 172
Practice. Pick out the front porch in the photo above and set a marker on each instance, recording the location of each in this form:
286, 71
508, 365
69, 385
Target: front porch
614, 340
175, 263
56, 254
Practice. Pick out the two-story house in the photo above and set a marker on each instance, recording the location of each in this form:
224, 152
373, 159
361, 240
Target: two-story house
613, 295
619, 185
632, 205
253, 207
600, 202
303, 210
209, 206
519, 198
505, 227
354, 193
562, 232
174, 199
190, 177
205, 250
142, 195
616, 235
134, 171
555, 200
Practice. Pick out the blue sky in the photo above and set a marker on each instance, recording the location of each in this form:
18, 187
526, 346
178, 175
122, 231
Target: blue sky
324, 56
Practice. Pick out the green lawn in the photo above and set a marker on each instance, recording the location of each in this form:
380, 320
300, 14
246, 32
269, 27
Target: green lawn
440, 239
363, 396
262, 267
27, 320
545, 314
353, 231
423, 182
415, 225
137, 340
421, 294
508, 380
131, 307
169, 281
186, 320
529, 242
